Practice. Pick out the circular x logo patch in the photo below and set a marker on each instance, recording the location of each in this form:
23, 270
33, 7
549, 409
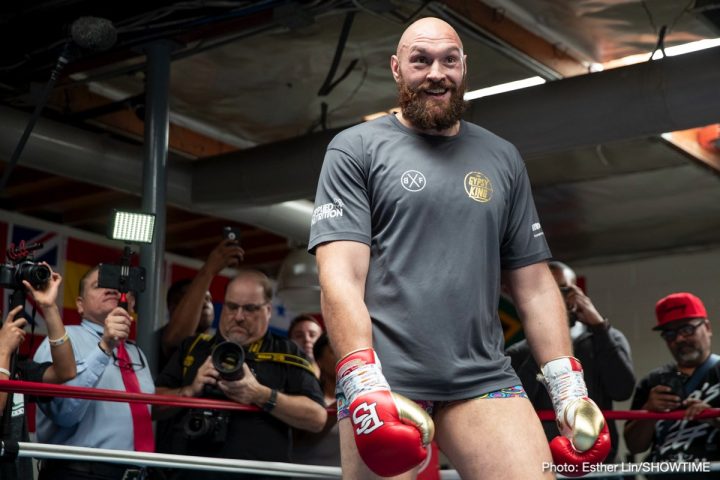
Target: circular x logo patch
413, 181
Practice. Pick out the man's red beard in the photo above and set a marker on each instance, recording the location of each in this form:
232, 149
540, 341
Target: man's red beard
428, 113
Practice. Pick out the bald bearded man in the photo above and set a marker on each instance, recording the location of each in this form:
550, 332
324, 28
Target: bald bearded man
398, 198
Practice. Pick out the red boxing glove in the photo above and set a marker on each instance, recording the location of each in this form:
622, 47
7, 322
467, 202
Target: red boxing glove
585, 438
391, 432
564, 453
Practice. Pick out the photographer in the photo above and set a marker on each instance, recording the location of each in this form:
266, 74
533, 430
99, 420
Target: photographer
691, 383
105, 359
274, 376
602, 349
190, 305
61, 369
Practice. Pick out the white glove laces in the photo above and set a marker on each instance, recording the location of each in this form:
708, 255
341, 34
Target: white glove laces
358, 378
565, 385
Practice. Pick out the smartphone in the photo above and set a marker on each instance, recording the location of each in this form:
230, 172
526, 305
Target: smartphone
121, 278
231, 233
675, 381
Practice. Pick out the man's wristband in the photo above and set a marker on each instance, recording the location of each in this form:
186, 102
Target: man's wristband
59, 341
5, 371
272, 401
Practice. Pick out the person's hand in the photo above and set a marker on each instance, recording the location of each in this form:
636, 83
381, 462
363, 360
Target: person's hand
206, 375
661, 399
227, 253
694, 406
585, 437
246, 390
117, 328
392, 433
46, 298
12, 333
580, 304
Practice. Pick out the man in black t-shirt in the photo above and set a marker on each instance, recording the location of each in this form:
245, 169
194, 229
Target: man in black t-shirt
276, 377
692, 383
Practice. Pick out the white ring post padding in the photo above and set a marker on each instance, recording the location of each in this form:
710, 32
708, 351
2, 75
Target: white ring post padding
66, 452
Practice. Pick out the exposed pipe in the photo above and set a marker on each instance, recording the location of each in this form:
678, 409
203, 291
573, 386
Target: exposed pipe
100, 160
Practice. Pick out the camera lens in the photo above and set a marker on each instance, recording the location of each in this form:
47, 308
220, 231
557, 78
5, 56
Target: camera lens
228, 358
198, 424
35, 274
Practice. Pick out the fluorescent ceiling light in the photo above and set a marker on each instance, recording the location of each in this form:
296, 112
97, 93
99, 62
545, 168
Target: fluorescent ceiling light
504, 87
669, 51
692, 46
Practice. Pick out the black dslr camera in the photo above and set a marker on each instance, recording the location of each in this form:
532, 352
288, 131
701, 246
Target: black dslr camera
21, 267
228, 359
206, 425
211, 425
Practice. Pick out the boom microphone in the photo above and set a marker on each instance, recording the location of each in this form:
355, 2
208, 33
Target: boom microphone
93, 33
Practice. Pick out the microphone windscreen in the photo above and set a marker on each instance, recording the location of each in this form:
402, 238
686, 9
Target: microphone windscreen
93, 33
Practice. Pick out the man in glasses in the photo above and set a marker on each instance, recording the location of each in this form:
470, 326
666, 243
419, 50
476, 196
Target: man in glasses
275, 376
105, 359
691, 383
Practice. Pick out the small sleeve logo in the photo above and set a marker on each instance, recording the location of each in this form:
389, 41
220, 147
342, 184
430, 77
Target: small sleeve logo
328, 210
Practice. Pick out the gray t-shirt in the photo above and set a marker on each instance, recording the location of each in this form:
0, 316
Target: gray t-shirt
442, 217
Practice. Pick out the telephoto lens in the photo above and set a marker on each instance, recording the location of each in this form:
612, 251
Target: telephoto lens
228, 359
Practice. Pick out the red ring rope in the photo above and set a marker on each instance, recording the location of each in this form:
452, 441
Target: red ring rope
44, 389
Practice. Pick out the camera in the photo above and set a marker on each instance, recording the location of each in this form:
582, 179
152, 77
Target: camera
12, 276
206, 425
228, 359
674, 380
209, 425
21, 267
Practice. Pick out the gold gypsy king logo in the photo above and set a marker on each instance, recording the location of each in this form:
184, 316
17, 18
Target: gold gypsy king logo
478, 187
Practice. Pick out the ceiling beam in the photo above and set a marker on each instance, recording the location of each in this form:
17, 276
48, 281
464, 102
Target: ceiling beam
650, 98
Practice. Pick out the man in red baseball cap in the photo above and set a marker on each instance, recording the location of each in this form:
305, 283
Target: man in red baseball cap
692, 383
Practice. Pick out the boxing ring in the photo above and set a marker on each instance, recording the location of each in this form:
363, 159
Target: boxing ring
279, 469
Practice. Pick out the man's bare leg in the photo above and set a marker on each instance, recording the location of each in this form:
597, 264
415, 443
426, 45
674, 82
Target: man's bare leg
493, 438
